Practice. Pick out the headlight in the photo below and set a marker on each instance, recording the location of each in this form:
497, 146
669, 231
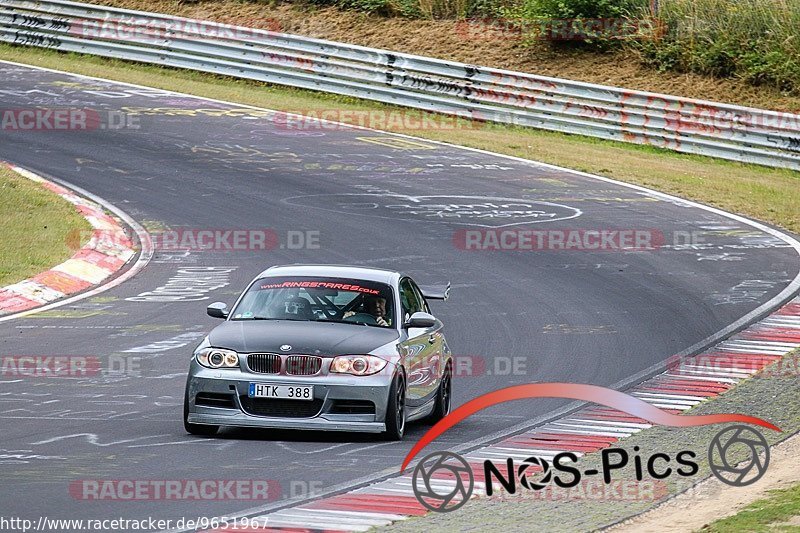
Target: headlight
217, 358
358, 365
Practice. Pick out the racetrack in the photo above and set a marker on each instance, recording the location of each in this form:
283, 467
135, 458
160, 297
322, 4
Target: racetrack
585, 316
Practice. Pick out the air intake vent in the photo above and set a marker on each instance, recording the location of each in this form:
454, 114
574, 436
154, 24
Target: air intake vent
215, 399
264, 363
353, 407
303, 365
281, 408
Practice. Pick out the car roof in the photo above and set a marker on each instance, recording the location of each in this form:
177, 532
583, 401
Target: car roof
380, 275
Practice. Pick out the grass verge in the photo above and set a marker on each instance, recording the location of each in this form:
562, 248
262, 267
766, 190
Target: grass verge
35, 225
771, 195
768, 514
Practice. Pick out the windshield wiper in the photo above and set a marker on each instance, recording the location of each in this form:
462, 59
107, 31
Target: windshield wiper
272, 318
341, 321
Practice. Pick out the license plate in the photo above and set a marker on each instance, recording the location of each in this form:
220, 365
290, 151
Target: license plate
284, 392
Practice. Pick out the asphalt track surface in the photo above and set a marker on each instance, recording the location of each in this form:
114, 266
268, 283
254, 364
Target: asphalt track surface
583, 316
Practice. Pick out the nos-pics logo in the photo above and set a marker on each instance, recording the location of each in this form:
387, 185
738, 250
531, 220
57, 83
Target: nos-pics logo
444, 481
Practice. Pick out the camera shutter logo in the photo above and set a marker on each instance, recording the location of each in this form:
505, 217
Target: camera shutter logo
534, 463
448, 491
727, 447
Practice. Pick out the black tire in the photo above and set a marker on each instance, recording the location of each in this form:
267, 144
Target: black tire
396, 410
195, 429
444, 396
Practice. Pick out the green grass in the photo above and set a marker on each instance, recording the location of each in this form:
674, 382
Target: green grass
771, 195
754, 40
37, 228
768, 514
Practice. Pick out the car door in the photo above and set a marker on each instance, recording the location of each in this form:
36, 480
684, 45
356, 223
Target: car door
436, 346
422, 346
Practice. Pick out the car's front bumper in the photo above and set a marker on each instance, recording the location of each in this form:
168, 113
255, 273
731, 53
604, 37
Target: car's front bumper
329, 392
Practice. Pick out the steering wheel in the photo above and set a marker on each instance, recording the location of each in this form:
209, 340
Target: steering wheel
365, 318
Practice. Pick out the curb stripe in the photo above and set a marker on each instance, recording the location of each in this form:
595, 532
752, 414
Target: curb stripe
95, 262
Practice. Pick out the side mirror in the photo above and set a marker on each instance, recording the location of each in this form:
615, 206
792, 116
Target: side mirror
217, 310
420, 320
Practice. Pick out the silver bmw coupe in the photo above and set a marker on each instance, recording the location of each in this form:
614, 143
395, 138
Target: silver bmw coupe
322, 347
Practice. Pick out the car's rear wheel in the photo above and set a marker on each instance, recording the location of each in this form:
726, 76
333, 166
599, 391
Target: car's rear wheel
195, 429
444, 396
396, 410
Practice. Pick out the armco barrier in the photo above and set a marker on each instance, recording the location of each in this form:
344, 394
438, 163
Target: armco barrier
719, 130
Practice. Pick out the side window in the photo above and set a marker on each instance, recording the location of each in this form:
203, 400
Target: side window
408, 298
421, 299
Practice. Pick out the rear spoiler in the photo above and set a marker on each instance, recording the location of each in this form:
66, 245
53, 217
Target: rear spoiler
438, 292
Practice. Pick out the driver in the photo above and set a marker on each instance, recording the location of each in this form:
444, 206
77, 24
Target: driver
375, 306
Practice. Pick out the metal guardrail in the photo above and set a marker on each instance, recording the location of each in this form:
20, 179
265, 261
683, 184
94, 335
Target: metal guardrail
719, 130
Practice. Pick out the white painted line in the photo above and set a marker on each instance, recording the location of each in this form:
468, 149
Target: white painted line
290, 522
783, 321
596, 427
672, 406
613, 423
387, 491
754, 351
530, 451
670, 402
766, 344
597, 433
405, 485
406, 481
319, 517
784, 325
594, 424
714, 371
702, 377
721, 370
645, 394
731, 372
494, 454
756, 346
354, 514
769, 325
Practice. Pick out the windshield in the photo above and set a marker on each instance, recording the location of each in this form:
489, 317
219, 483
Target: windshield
318, 300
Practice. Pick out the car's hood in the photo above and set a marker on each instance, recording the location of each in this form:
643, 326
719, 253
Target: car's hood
320, 338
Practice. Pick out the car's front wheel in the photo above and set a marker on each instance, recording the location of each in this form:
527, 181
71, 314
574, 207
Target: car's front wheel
195, 429
443, 396
396, 409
